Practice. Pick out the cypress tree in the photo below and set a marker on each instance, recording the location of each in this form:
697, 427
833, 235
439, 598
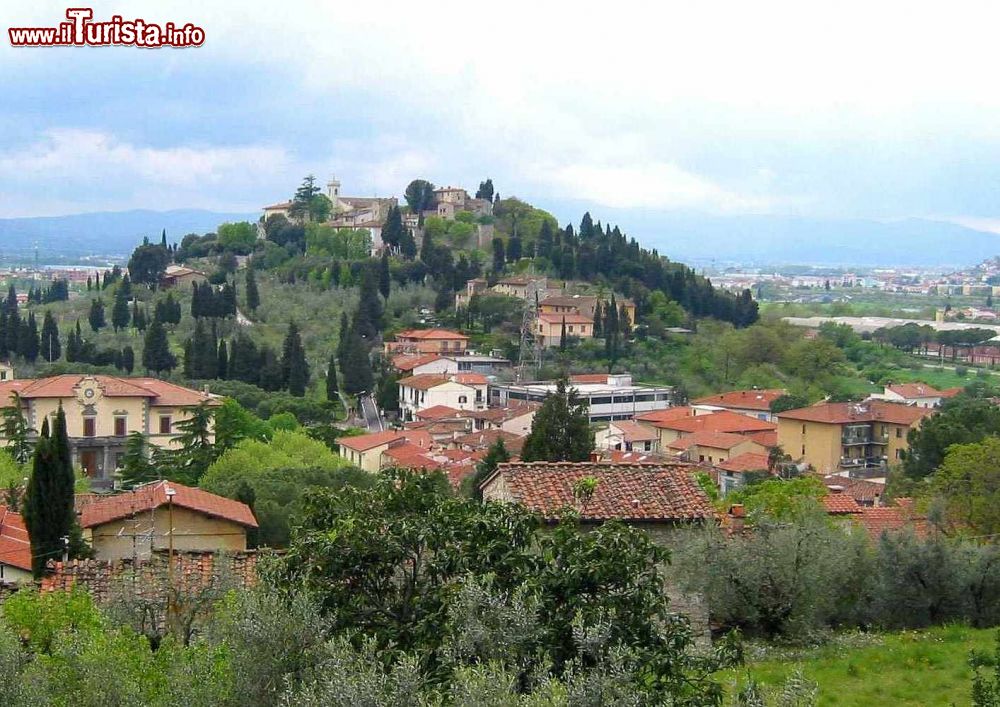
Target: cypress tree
138, 316
13, 332
560, 430
407, 244
368, 316
356, 366
119, 312
128, 359
344, 332
270, 370
384, 279
222, 361
598, 320
562, 335
156, 356
96, 315
49, 346
294, 369
244, 361
187, 367
90, 284
74, 344
28, 344
252, 295
227, 301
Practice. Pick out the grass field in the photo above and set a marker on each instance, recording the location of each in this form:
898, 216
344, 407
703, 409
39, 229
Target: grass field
856, 670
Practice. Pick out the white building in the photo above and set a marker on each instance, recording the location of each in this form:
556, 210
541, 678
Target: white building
460, 391
607, 397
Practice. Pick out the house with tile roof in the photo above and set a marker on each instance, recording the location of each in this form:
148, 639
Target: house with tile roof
731, 473
863, 438
515, 418
548, 327
365, 451
628, 436
102, 411
918, 394
136, 523
651, 495
459, 391
754, 403
672, 427
15, 548
711, 447
428, 341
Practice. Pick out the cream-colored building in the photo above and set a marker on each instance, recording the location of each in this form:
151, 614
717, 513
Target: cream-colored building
365, 451
141, 521
461, 391
521, 287
548, 327
627, 436
427, 341
102, 411
837, 437
713, 447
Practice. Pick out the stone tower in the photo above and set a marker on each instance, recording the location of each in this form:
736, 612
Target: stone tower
333, 191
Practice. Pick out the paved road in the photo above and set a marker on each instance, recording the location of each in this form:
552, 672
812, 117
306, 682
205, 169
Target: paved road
370, 412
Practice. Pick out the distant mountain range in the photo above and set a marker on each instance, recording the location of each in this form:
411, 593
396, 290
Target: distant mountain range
776, 240
682, 236
105, 233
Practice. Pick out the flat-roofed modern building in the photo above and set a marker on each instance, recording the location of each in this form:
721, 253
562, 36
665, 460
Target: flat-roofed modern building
607, 397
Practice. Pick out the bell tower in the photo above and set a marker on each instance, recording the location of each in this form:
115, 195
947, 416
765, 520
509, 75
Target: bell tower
333, 191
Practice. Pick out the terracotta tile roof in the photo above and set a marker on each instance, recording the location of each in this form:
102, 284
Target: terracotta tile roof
722, 421
470, 379
709, 438
157, 391
487, 438
840, 504
888, 519
436, 412
362, 443
424, 381
674, 413
951, 392
410, 456
911, 391
176, 395
871, 411
635, 431
500, 415
589, 378
743, 399
15, 547
105, 509
861, 490
747, 461
568, 317
430, 334
8, 388
628, 492
618, 456
569, 301
764, 439
407, 362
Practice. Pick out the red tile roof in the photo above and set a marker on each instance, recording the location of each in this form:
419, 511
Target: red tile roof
618, 456
747, 461
840, 504
430, 334
635, 431
15, 547
629, 492
560, 317
157, 391
362, 443
487, 438
589, 378
407, 362
911, 391
470, 379
674, 413
709, 438
95, 511
743, 399
723, 421
436, 412
871, 411
888, 519
765, 439
861, 490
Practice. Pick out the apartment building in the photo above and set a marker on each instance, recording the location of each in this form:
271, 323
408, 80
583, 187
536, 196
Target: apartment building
428, 341
607, 397
461, 391
837, 437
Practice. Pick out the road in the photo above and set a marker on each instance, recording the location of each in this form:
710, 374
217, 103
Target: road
370, 412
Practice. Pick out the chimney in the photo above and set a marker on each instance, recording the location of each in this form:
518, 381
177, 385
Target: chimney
595, 457
737, 517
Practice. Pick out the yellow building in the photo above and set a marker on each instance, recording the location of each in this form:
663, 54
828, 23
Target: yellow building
365, 451
548, 327
714, 447
834, 437
102, 411
141, 521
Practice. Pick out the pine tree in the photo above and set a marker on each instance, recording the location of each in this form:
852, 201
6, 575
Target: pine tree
96, 315
50, 347
48, 510
16, 430
331, 379
252, 295
294, 369
384, 278
197, 451
120, 312
137, 468
156, 356
222, 361
560, 430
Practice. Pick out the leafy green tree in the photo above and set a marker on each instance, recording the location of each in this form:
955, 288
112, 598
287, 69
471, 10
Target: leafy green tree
50, 347
788, 402
156, 356
967, 485
813, 359
294, 368
560, 430
497, 454
419, 195
148, 264
240, 237
960, 420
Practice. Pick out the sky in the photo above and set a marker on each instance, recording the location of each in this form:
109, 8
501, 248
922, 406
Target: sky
829, 110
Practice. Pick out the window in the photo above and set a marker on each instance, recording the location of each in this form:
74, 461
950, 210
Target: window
701, 457
899, 432
899, 454
89, 427
803, 429
165, 424
803, 450
462, 399
120, 426
570, 328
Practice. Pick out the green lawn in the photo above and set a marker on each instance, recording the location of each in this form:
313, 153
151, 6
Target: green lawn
909, 668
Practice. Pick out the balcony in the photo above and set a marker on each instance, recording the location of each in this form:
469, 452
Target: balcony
854, 439
861, 462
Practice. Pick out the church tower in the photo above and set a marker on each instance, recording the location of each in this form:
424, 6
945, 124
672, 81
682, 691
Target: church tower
333, 191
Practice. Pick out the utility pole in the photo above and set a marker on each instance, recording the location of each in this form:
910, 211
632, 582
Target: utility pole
170, 555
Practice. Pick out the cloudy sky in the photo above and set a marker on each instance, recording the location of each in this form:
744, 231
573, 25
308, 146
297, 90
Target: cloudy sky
848, 109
